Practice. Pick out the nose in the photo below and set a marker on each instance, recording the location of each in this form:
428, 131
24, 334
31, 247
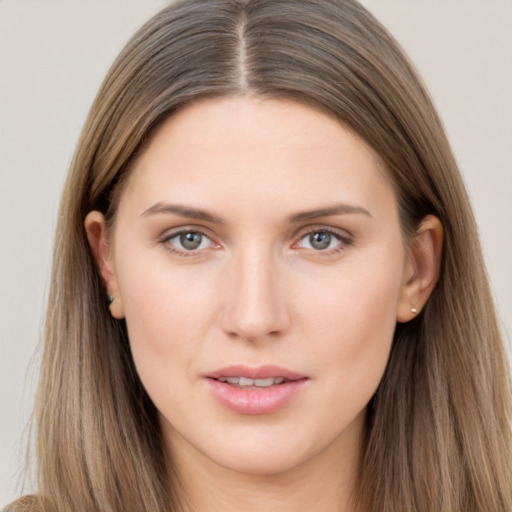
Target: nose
256, 305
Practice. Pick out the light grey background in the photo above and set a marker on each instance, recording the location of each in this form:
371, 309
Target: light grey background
53, 56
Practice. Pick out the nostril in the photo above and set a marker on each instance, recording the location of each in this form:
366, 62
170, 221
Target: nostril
253, 310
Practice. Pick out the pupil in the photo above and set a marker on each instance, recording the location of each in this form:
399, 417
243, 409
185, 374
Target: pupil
320, 240
190, 241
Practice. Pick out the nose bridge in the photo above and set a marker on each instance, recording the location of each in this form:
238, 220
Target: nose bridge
256, 305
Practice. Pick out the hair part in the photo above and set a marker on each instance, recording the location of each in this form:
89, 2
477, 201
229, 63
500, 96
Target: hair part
438, 428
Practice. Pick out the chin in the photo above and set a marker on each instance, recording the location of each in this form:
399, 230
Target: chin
262, 462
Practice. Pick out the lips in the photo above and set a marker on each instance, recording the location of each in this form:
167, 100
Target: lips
244, 382
260, 372
262, 390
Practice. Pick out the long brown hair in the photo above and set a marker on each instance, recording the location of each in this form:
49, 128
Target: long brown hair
438, 431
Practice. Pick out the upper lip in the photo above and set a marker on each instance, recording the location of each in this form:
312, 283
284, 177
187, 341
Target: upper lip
259, 372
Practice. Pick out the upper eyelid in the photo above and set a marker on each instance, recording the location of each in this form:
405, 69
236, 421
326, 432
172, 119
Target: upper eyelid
173, 232
342, 234
169, 234
339, 232
345, 240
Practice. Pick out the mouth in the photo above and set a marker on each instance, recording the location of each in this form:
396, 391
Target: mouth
244, 382
262, 390
261, 374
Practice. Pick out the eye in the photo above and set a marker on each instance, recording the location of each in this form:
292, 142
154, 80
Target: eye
322, 240
188, 241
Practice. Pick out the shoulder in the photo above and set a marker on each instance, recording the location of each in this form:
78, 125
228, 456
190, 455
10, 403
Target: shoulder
30, 503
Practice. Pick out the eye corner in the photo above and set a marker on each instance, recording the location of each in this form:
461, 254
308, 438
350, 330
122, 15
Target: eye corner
323, 241
188, 242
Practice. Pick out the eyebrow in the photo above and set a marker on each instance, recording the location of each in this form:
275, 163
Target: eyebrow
182, 211
337, 209
199, 214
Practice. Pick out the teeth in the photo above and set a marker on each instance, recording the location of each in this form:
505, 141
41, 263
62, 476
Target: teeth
245, 382
229, 380
265, 382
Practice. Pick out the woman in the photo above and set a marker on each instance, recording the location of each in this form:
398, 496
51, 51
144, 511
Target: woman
267, 288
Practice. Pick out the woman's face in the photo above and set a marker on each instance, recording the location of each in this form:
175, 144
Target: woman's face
258, 260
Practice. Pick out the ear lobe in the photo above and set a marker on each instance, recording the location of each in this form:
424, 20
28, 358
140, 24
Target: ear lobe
95, 229
422, 268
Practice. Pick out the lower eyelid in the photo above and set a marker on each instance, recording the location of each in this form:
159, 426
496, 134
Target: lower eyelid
173, 234
342, 239
343, 242
166, 240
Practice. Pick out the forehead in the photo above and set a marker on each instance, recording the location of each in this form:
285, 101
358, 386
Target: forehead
237, 150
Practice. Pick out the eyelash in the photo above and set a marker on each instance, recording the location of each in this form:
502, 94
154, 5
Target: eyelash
183, 252
344, 241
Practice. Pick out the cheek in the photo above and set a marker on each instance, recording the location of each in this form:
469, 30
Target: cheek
168, 312
352, 328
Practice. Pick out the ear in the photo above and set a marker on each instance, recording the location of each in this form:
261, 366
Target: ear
97, 235
422, 268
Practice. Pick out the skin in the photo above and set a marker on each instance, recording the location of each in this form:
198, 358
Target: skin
257, 291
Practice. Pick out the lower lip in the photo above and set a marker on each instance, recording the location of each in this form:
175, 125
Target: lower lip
256, 400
